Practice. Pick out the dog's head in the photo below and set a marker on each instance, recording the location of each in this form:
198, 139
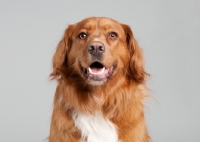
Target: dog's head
96, 50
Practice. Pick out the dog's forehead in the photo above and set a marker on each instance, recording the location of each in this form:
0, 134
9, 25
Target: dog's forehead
100, 23
107, 23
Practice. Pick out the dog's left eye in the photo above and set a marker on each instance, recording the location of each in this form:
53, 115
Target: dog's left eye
82, 35
112, 35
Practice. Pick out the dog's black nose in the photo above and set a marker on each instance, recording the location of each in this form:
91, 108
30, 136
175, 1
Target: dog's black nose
96, 48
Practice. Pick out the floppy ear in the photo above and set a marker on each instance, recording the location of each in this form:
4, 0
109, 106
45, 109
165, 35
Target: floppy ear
60, 56
136, 62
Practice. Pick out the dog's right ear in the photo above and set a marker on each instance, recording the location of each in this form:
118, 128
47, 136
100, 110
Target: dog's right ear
60, 56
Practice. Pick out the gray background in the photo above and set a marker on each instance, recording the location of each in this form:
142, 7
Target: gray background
168, 31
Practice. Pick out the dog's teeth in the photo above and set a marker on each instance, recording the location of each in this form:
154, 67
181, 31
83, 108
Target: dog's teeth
96, 71
102, 70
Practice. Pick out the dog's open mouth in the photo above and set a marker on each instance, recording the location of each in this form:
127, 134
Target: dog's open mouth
98, 72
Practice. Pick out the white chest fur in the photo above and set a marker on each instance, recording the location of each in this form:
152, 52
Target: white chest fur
95, 127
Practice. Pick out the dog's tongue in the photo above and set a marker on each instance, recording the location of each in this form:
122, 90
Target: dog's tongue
97, 71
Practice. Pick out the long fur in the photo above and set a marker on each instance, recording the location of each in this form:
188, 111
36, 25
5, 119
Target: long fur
117, 104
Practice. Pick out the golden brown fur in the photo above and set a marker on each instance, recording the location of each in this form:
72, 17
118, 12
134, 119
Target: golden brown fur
119, 97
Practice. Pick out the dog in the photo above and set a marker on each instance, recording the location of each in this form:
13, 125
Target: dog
99, 68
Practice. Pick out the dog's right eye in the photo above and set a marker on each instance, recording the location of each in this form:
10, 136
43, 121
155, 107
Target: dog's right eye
82, 35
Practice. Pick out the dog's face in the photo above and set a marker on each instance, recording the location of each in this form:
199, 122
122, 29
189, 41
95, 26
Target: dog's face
98, 49
99, 46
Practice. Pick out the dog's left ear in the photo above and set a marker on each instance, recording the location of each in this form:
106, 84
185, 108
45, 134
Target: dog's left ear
136, 63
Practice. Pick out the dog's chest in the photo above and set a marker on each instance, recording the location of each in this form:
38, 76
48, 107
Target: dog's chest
95, 128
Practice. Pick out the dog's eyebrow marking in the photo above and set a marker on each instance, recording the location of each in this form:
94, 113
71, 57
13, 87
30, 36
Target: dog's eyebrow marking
89, 26
106, 27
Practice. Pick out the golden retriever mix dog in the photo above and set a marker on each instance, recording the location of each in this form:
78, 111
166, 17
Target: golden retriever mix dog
101, 84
